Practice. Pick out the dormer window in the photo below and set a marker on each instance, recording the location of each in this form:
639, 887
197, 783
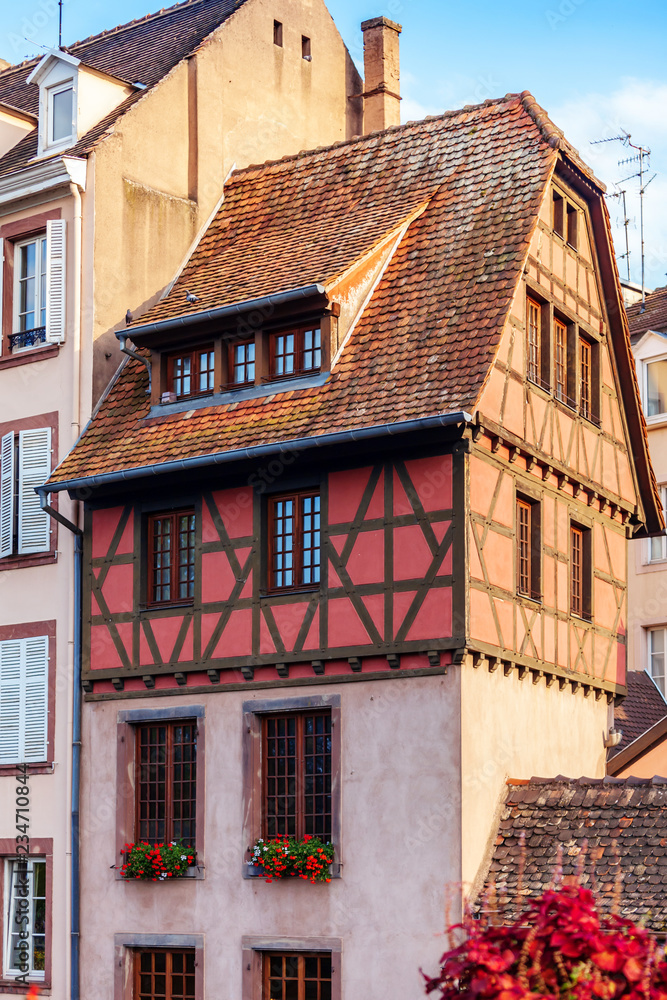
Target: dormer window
296, 353
242, 364
192, 374
60, 111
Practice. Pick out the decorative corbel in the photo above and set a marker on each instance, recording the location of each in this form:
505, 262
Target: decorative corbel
213, 676
282, 669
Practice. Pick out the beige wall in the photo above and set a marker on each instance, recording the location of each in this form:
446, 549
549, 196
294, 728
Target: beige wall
512, 728
400, 843
650, 764
208, 115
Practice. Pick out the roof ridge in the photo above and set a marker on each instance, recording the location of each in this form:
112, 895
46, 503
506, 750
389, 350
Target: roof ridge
353, 140
560, 779
130, 24
13, 67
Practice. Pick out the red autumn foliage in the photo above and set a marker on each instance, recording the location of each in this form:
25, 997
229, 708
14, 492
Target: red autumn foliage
560, 947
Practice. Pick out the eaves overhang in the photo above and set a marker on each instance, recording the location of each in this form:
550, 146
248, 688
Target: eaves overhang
47, 176
82, 487
150, 334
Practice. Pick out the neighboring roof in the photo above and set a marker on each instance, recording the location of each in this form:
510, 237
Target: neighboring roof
653, 316
599, 831
142, 51
642, 707
424, 344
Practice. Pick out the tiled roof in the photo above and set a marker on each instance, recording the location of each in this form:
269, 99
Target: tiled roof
424, 343
142, 51
640, 710
653, 316
597, 830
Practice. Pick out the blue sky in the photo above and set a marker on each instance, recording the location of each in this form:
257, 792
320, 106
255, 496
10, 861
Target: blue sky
596, 66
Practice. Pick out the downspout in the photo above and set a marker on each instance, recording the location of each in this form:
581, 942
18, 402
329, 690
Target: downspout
124, 349
76, 740
78, 278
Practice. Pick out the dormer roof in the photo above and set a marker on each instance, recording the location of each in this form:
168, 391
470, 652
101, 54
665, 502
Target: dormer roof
142, 51
48, 61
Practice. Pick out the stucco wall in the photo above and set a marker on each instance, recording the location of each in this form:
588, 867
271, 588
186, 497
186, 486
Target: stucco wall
652, 763
512, 728
161, 173
400, 844
44, 594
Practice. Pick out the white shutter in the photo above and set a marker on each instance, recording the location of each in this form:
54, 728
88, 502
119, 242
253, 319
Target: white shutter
24, 671
36, 692
11, 706
56, 251
6, 494
34, 470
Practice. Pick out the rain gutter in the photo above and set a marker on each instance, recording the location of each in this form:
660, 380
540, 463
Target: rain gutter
258, 452
223, 312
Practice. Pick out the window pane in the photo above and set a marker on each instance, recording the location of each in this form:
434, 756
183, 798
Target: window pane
62, 115
533, 341
26, 913
657, 657
656, 396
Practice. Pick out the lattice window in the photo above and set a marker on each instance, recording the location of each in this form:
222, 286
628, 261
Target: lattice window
297, 771
192, 373
167, 782
171, 557
533, 341
523, 547
25, 918
560, 360
294, 541
242, 363
585, 378
160, 974
295, 353
293, 976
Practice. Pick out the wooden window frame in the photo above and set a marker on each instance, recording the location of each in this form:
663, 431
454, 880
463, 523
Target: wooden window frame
170, 726
126, 946
537, 346
254, 712
231, 366
560, 340
41, 848
170, 953
128, 721
558, 214
580, 563
299, 371
300, 957
300, 815
195, 371
532, 565
173, 599
297, 497
254, 949
572, 225
585, 361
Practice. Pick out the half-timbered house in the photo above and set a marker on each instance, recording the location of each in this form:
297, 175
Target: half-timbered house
357, 514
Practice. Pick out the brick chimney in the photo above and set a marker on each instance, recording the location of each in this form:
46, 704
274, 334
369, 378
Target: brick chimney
382, 100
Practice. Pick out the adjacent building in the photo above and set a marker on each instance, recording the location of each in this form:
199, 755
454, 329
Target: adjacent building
648, 559
113, 156
357, 513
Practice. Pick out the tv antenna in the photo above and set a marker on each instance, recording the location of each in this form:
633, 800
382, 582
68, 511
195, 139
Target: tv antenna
642, 158
60, 24
626, 222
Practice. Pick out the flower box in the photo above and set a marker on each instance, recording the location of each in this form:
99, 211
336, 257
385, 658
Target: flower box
286, 857
157, 862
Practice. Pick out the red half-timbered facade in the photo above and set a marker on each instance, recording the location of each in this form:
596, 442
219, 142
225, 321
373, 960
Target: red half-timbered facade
376, 561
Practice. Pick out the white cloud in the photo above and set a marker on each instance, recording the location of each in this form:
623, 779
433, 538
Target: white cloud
638, 107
